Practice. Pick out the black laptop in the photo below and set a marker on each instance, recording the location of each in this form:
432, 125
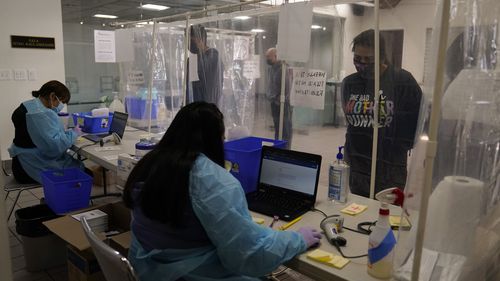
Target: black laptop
287, 185
118, 124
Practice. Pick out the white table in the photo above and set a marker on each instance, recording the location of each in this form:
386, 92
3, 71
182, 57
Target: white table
357, 244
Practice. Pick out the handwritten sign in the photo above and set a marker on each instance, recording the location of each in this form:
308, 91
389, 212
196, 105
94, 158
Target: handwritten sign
251, 68
135, 77
308, 88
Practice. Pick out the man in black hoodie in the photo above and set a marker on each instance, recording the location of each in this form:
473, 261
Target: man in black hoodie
399, 107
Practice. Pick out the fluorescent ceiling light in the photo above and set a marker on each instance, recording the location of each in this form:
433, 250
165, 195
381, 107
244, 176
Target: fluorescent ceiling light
241, 17
278, 2
105, 16
154, 7
258, 30
366, 4
315, 26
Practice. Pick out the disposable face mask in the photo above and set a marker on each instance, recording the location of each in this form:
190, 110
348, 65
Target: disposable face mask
59, 107
364, 69
193, 48
269, 62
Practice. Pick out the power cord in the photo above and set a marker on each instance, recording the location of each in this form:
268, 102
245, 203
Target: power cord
337, 246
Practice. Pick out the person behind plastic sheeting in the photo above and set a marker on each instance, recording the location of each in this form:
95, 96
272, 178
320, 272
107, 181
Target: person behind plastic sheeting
40, 140
190, 215
210, 69
398, 115
274, 94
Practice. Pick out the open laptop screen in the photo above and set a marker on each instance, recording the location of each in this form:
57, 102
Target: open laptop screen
118, 123
289, 170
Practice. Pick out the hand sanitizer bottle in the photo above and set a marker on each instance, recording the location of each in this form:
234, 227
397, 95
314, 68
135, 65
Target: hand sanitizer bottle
338, 179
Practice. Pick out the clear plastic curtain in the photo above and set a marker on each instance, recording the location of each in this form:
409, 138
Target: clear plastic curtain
462, 228
152, 83
222, 71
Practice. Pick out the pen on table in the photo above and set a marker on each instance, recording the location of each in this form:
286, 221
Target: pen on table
275, 219
285, 226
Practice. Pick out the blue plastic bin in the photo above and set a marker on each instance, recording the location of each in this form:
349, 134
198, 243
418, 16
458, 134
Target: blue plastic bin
244, 157
138, 108
66, 190
92, 124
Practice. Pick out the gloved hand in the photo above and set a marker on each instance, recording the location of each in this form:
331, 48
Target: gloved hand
310, 235
77, 130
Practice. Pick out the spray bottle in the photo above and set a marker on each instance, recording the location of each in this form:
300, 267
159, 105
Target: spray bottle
338, 179
381, 242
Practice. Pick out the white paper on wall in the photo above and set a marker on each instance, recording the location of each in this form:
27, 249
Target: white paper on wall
251, 67
294, 31
193, 67
308, 88
104, 46
124, 44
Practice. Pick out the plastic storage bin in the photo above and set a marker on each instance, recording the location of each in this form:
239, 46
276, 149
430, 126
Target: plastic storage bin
66, 190
138, 108
42, 249
244, 157
92, 124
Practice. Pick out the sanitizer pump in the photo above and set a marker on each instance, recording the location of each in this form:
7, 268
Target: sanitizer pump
338, 179
381, 242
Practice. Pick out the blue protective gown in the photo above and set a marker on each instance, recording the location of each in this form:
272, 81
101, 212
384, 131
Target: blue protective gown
240, 250
50, 139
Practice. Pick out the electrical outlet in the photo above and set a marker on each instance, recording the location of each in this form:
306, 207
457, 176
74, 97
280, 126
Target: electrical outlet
20, 74
5, 74
32, 74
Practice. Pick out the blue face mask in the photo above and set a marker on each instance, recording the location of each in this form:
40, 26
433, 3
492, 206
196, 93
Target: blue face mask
59, 107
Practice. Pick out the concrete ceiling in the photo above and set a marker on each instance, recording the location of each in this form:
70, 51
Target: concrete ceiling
74, 11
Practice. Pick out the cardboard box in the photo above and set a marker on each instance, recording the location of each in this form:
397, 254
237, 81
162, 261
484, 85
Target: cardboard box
126, 163
81, 260
83, 266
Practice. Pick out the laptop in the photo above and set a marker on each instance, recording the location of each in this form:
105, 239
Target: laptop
118, 124
287, 185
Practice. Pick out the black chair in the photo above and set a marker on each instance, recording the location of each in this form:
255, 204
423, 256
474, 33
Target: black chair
11, 185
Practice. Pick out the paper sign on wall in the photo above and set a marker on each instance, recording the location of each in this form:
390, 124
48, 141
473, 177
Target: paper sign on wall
308, 88
251, 68
135, 77
294, 31
104, 46
124, 45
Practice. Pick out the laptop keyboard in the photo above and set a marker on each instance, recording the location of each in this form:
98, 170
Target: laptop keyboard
276, 199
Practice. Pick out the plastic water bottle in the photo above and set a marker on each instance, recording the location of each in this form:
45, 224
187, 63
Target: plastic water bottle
338, 179
381, 246
116, 105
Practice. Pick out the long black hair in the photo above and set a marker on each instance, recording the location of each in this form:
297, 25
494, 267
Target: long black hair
56, 87
164, 172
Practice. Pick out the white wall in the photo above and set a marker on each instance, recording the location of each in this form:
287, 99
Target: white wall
414, 17
30, 18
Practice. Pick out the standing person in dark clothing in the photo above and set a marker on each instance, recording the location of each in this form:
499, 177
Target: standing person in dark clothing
210, 69
400, 101
274, 93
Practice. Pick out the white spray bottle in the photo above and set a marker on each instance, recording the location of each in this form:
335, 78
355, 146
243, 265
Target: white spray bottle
338, 179
381, 242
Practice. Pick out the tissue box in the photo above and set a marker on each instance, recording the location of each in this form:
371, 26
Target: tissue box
126, 163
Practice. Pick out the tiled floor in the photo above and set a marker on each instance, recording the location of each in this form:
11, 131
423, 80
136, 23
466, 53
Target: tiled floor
30, 198
320, 140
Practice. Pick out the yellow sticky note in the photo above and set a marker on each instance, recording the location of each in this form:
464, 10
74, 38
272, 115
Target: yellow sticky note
354, 209
258, 220
396, 221
328, 258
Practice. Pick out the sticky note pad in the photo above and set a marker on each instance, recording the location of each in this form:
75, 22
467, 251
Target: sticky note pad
354, 209
258, 220
328, 258
396, 221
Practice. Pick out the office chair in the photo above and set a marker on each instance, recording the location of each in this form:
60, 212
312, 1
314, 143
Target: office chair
114, 266
11, 185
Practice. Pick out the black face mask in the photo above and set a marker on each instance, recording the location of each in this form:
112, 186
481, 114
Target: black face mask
366, 70
193, 48
269, 62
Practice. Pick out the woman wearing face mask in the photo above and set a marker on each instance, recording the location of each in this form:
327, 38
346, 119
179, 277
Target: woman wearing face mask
400, 101
40, 141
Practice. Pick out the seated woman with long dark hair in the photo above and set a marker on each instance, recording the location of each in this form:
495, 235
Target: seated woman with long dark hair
190, 217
